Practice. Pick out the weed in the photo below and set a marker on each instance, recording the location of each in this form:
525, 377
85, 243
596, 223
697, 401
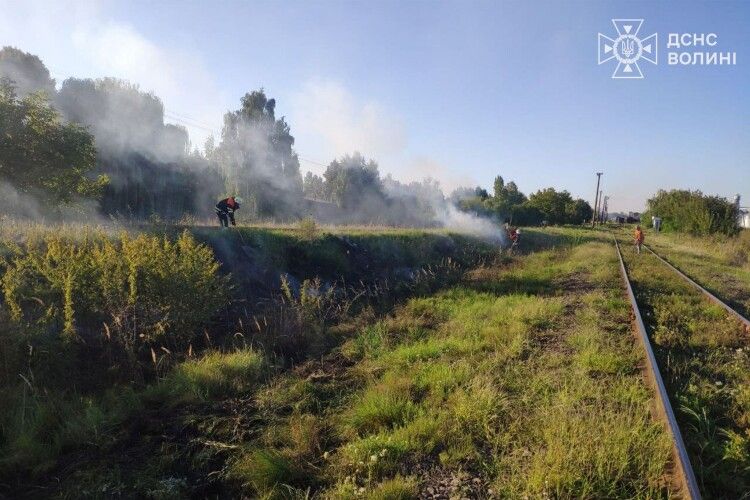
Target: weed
308, 229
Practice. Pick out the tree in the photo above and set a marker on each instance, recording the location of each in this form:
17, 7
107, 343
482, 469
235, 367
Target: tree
147, 161
507, 196
461, 193
27, 72
41, 155
257, 157
551, 204
314, 187
498, 186
512, 196
353, 180
578, 211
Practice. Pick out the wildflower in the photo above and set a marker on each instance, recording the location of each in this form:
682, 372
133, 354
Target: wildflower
373, 458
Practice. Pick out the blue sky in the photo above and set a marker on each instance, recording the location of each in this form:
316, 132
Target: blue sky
460, 91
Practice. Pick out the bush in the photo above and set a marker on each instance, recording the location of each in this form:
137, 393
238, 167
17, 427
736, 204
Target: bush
308, 229
693, 212
138, 298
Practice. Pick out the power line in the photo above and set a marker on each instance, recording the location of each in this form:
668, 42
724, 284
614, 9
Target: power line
186, 123
185, 117
311, 161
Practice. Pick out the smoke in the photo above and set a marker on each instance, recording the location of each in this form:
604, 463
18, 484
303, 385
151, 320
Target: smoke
152, 171
444, 212
27, 72
18, 205
332, 122
457, 220
122, 118
356, 194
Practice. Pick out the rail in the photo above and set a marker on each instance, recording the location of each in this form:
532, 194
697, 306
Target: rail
708, 294
686, 474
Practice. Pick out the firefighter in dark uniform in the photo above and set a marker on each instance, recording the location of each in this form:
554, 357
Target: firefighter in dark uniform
225, 210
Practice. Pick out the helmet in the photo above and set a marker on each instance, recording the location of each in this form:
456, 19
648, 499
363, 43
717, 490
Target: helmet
238, 200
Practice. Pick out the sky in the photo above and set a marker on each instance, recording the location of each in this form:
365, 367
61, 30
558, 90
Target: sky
457, 91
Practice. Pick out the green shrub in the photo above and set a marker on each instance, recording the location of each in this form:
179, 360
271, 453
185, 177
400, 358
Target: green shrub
308, 229
141, 295
693, 212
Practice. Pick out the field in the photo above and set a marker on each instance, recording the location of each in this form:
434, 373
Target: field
386, 364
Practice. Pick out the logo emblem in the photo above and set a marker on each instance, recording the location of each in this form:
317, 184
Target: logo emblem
627, 48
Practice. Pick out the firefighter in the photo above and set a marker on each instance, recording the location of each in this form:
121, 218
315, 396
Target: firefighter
225, 210
638, 238
515, 237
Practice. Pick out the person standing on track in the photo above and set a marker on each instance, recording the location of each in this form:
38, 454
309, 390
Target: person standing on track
225, 210
638, 238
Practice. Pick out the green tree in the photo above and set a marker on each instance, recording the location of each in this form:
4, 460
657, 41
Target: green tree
578, 211
41, 155
27, 72
352, 180
498, 186
257, 157
507, 196
551, 204
314, 187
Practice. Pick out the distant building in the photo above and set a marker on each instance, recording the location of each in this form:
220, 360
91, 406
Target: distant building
743, 214
744, 217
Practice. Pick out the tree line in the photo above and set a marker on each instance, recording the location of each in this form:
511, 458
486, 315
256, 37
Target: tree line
545, 206
106, 140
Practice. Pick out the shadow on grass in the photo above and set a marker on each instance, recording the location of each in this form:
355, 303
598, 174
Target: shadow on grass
512, 283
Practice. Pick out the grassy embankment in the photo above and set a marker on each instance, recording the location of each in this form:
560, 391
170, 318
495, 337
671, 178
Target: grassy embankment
719, 263
704, 356
523, 378
114, 342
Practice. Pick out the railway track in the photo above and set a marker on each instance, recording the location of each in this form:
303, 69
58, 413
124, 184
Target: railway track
713, 298
684, 472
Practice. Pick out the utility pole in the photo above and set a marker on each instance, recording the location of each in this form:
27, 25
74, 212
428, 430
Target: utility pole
605, 209
596, 198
